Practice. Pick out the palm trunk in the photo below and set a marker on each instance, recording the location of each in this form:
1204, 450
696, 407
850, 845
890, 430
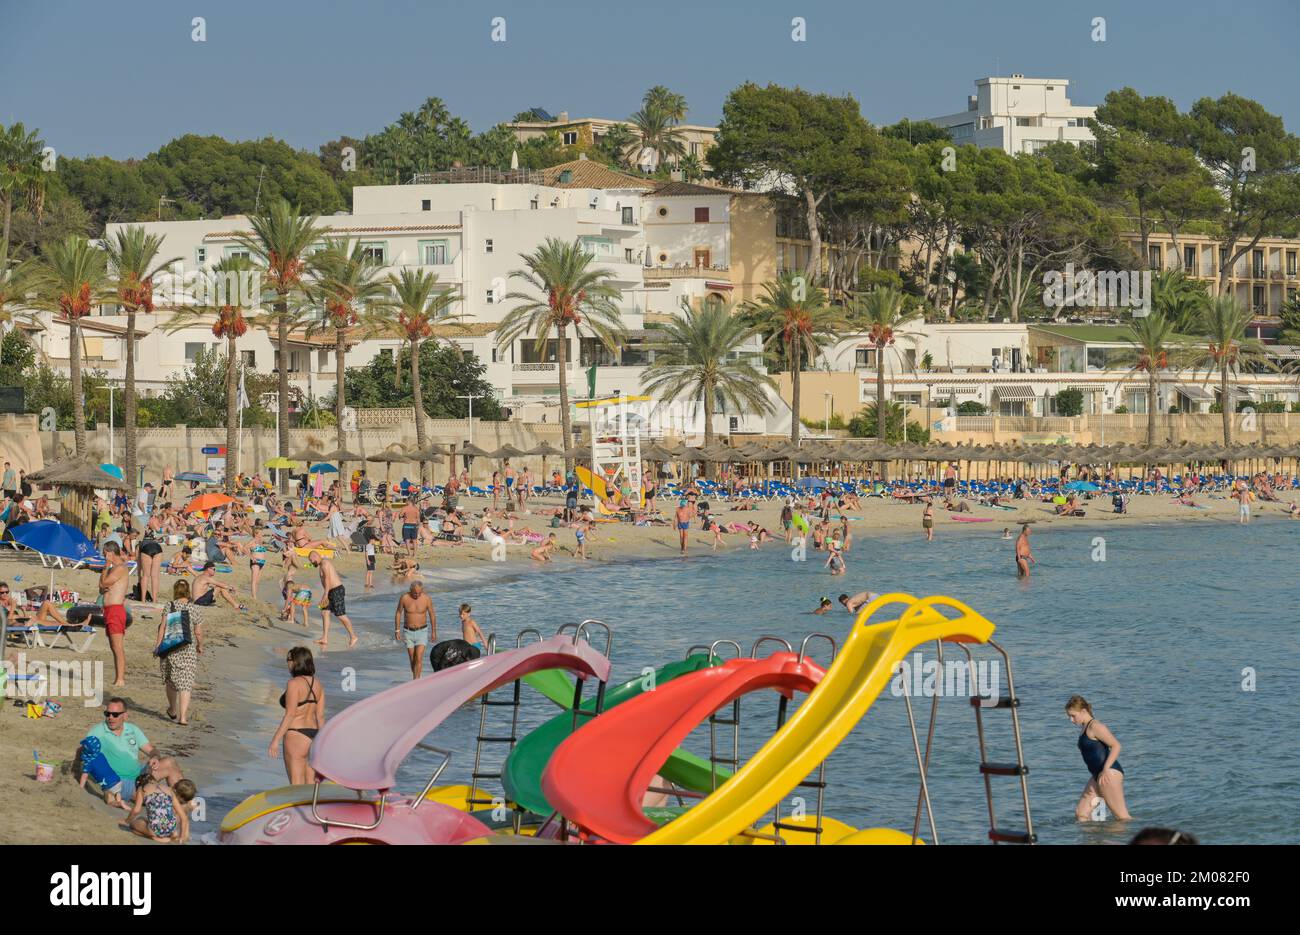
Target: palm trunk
128, 401
794, 402
1225, 406
340, 350
880, 394
1151, 408
78, 398
561, 359
9, 210
282, 403
232, 413
709, 466
417, 400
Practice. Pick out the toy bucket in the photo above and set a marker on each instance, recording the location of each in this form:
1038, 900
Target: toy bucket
44, 771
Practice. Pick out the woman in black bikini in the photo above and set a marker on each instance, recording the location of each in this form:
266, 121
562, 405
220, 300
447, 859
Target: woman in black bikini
150, 565
303, 701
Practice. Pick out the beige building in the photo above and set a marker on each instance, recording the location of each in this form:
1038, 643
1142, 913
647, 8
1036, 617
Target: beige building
1264, 278
585, 132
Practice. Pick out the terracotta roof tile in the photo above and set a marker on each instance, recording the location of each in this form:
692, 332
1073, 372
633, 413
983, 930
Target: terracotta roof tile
586, 173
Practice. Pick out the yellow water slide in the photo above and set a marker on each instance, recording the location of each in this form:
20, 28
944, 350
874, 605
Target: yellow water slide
862, 669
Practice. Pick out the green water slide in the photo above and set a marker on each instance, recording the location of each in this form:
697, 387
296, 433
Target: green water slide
522, 776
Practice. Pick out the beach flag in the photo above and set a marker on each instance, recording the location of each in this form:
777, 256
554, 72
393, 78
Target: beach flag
243, 393
591, 382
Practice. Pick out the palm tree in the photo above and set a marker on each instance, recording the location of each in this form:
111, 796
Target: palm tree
71, 280
569, 288
692, 167
22, 174
882, 312
1179, 298
133, 258
659, 135
279, 244
349, 288
671, 104
696, 356
17, 279
1154, 345
800, 322
420, 305
1223, 322
231, 322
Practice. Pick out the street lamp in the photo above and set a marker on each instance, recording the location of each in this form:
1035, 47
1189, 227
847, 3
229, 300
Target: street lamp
471, 398
110, 389
827, 429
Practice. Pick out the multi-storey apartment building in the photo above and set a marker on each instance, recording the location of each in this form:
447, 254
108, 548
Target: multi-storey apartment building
1264, 278
661, 243
1019, 115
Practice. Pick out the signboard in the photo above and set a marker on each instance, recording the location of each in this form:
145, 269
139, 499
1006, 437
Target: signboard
216, 468
215, 450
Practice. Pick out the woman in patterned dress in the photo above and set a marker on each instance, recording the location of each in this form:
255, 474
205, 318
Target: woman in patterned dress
181, 664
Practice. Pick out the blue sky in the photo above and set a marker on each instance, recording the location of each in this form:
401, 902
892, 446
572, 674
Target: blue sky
121, 79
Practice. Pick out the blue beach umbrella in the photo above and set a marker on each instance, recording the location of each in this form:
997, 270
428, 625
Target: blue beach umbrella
111, 469
324, 468
1082, 485
60, 540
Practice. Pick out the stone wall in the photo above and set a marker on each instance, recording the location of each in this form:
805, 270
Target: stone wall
1265, 428
19, 442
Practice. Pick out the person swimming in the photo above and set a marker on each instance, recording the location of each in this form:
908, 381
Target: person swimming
824, 607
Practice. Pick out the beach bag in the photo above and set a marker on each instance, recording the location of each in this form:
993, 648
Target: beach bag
452, 653
176, 631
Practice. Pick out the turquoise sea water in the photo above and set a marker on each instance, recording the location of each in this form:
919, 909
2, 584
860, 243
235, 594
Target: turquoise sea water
1159, 637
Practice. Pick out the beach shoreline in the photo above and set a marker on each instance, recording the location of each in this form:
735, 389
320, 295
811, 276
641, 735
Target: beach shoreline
232, 682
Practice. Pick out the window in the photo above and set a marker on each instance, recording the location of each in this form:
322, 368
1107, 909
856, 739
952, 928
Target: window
433, 252
663, 211
533, 204
627, 255
192, 349
865, 357
570, 137
695, 149
1024, 122
627, 216
1154, 258
1257, 264
1189, 259
234, 251
376, 251
1290, 263
322, 360
426, 205
701, 215
702, 258
487, 246
491, 297
386, 352
1257, 298
1136, 401
200, 256
249, 358
494, 353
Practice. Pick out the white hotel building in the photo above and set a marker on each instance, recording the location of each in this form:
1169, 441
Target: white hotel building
662, 243
1019, 115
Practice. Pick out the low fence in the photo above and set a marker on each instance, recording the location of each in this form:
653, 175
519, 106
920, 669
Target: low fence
1265, 428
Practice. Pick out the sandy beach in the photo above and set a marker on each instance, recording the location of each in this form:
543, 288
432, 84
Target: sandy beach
237, 644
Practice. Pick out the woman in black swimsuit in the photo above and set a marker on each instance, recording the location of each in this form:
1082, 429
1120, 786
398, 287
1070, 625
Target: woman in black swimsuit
1100, 752
150, 566
304, 713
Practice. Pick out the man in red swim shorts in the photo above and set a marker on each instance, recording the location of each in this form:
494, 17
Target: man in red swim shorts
112, 585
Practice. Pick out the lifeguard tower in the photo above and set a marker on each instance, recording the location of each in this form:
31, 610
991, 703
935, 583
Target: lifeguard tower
615, 448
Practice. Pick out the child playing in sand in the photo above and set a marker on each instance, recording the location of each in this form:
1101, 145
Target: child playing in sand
180, 562
580, 530
543, 552
295, 597
161, 811
95, 765
404, 569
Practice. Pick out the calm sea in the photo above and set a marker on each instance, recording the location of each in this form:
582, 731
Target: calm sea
1184, 639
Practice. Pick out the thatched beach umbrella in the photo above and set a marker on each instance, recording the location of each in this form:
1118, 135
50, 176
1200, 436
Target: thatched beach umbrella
51, 470
310, 455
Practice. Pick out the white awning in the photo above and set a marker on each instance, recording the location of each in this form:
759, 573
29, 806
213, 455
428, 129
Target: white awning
1014, 392
1241, 391
1195, 393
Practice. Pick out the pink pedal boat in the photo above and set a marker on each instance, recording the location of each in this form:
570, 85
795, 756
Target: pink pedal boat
357, 753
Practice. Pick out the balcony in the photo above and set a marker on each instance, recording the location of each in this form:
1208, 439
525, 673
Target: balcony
541, 367
687, 272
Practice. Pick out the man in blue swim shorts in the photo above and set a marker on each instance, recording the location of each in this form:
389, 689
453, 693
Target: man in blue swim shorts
414, 623
684, 514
